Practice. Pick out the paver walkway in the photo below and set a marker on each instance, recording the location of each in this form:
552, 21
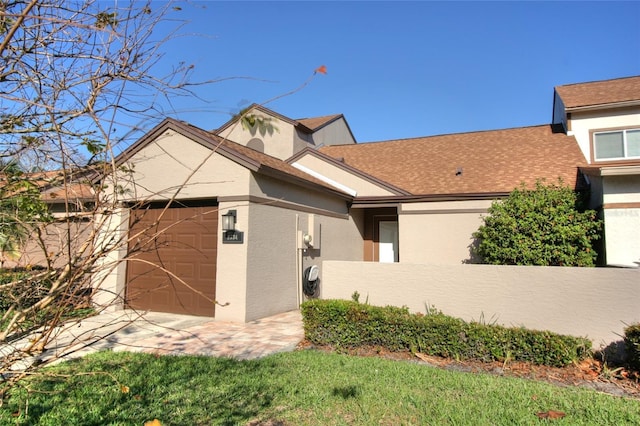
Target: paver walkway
163, 333
252, 340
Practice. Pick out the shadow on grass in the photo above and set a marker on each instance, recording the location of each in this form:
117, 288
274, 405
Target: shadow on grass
125, 388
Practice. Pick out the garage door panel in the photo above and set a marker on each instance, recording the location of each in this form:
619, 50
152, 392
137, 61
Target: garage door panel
187, 249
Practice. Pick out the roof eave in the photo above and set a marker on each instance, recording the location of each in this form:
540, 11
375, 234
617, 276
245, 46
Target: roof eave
597, 107
361, 202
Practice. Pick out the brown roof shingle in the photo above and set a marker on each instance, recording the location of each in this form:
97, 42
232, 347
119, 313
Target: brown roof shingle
314, 123
494, 161
600, 92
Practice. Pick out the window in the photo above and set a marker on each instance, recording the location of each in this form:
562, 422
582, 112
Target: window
617, 145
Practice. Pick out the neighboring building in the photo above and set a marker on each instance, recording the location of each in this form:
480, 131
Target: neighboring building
604, 117
303, 191
71, 205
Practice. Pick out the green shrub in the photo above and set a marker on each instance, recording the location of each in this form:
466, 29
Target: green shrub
543, 226
632, 345
348, 324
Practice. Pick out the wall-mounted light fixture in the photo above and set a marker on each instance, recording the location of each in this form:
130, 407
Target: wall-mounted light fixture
229, 221
229, 233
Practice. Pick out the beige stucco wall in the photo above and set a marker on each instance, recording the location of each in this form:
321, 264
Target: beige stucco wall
57, 239
621, 189
345, 179
335, 133
109, 277
591, 302
260, 277
622, 224
264, 186
232, 268
272, 258
165, 166
439, 232
276, 254
279, 144
583, 122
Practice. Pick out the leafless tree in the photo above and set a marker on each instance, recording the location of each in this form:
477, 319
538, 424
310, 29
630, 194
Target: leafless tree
76, 79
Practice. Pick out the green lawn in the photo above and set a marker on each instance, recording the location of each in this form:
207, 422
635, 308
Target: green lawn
305, 387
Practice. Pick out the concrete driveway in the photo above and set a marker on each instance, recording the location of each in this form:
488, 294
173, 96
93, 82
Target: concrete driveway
171, 334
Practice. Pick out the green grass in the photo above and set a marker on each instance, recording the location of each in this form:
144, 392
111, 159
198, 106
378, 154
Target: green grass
299, 388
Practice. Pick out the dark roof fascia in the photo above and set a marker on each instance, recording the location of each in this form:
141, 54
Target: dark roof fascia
429, 198
269, 171
337, 163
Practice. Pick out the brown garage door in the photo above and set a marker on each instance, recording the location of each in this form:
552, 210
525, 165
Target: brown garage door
160, 260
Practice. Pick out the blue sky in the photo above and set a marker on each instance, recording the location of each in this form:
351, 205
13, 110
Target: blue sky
401, 69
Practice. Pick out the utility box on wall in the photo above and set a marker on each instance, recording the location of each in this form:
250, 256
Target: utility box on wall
312, 237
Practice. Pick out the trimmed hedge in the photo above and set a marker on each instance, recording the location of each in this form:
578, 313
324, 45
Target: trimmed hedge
632, 345
349, 324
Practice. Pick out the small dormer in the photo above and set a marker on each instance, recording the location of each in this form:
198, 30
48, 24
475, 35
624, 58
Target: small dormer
282, 137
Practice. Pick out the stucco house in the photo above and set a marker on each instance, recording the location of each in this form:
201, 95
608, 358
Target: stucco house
604, 117
251, 211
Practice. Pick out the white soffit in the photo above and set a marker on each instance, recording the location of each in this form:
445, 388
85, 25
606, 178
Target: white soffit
325, 179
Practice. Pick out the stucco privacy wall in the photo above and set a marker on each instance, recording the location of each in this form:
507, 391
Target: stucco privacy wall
439, 232
57, 239
591, 302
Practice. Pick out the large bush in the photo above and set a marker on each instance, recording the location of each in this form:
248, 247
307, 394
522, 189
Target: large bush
542, 226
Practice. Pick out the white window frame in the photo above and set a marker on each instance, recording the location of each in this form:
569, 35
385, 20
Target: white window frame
624, 145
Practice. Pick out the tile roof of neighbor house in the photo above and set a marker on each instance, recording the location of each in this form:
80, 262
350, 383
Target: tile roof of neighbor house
493, 161
600, 92
52, 185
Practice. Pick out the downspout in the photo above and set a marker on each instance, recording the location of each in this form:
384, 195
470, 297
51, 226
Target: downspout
298, 262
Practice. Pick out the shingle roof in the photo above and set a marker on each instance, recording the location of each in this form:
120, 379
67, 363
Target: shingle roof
600, 92
314, 123
494, 161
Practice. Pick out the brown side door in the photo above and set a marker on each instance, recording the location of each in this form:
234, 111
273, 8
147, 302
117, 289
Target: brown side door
172, 260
